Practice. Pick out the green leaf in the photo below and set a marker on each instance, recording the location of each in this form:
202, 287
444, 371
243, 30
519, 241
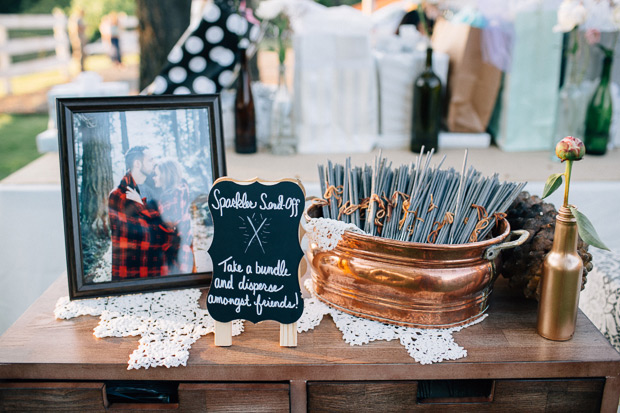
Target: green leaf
553, 182
586, 230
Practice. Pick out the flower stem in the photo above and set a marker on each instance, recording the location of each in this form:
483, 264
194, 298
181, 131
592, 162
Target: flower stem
281, 49
569, 167
422, 17
572, 65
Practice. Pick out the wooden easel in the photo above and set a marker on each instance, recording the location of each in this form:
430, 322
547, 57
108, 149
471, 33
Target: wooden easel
223, 334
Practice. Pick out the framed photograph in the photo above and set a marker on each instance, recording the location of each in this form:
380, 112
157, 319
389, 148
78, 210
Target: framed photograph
136, 174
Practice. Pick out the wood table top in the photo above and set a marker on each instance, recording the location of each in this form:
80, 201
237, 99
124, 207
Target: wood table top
504, 345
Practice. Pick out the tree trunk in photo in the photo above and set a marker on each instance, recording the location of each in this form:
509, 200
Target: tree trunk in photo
174, 126
96, 172
161, 124
161, 24
204, 129
196, 135
124, 135
190, 141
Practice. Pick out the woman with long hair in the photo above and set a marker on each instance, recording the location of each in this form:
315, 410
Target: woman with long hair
174, 207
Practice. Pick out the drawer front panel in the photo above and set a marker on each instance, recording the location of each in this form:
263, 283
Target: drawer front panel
234, 397
383, 396
583, 395
67, 397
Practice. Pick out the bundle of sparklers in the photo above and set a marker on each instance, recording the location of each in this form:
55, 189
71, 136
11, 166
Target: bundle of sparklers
415, 202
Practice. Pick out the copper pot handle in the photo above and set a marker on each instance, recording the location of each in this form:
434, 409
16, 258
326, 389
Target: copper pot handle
492, 252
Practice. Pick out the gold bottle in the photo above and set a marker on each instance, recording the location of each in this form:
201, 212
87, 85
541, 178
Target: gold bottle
561, 281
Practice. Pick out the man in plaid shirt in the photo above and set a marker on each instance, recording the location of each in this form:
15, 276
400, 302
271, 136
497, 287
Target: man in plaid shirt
138, 232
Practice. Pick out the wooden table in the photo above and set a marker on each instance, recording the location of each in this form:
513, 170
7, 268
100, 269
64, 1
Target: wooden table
50, 364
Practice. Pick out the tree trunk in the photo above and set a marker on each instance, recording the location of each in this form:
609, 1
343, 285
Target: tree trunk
174, 126
197, 137
190, 141
161, 24
197, 131
204, 129
124, 135
96, 172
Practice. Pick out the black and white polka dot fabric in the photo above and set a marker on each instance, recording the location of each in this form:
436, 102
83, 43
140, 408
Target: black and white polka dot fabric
205, 61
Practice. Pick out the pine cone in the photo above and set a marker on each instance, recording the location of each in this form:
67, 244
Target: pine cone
523, 265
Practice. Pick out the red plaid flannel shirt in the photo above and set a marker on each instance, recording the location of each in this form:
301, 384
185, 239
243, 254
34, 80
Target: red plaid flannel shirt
138, 235
174, 207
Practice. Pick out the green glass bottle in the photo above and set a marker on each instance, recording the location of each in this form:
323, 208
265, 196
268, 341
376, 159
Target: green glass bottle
426, 108
598, 116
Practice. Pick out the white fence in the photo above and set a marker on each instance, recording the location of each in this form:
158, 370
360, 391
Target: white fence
58, 43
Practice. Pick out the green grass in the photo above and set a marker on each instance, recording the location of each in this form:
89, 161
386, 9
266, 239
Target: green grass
21, 33
31, 56
18, 141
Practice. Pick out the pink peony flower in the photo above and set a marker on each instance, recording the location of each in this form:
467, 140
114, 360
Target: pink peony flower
570, 149
593, 36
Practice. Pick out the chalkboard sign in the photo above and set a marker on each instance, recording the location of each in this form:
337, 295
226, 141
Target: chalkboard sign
255, 251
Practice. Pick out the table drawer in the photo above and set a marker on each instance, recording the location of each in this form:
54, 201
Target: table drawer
43, 396
578, 395
234, 397
191, 397
369, 396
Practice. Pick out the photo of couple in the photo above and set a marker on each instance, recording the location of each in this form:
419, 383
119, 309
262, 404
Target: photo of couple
143, 178
150, 227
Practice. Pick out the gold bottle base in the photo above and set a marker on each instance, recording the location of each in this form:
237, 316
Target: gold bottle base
554, 339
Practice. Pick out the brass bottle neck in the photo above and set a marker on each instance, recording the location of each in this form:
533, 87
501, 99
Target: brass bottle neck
566, 234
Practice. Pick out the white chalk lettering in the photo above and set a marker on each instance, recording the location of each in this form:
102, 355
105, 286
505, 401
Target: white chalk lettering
237, 202
258, 286
279, 270
269, 303
226, 284
238, 302
291, 204
230, 267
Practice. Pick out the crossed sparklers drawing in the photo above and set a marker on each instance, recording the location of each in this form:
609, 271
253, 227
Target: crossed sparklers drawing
256, 231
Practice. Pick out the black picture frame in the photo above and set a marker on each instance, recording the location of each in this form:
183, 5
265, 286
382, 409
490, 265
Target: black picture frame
90, 157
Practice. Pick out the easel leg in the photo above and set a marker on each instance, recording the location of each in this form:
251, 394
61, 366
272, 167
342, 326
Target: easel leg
288, 335
223, 334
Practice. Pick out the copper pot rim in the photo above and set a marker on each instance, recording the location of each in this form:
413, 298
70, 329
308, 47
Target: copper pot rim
420, 245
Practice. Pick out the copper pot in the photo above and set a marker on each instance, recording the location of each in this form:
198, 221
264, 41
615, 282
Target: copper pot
406, 283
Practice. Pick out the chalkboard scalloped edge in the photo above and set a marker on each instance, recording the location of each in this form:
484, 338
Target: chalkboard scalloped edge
300, 266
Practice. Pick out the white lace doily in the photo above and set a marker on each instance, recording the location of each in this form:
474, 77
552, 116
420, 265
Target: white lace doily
326, 233
170, 322
425, 345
